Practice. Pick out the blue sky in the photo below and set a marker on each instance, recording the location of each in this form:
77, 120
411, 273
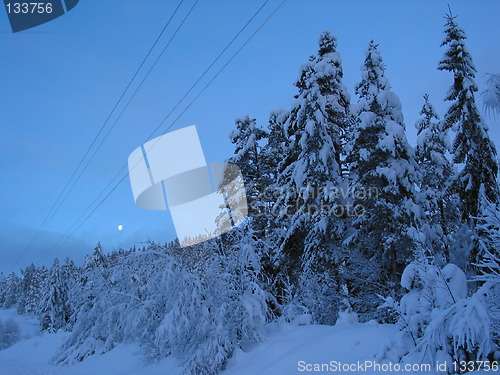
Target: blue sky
61, 80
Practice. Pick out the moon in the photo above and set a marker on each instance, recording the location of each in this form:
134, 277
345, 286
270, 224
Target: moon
120, 227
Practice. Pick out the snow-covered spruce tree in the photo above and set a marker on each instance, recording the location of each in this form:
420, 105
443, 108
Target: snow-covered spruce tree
273, 152
460, 332
439, 323
92, 280
128, 297
90, 300
195, 257
33, 281
73, 278
489, 265
277, 144
472, 145
435, 175
490, 261
171, 323
309, 174
146, 296
10, 290
236, 304
247, 155
247, 139
491, 95
288, 242
54, 307
424, 292
382, 173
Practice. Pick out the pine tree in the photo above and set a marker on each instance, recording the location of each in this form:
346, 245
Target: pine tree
272, 154
382, 170
247, 150
54, 308
236, 298
472, 145
489, 264
10, 292
276, 146
435, 175
246, 138
491, 95
95, 272
310, 174
30, 290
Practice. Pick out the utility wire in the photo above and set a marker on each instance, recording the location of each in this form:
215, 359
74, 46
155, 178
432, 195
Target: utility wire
178, 103
126, 105
175, 107
67, 236
59, 200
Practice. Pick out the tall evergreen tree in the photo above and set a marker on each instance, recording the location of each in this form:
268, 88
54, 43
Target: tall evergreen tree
273, 152
276, 145
382, 169
10, 291
246, 138
435, 175
30, 290
55, 309
311, 171
472, 145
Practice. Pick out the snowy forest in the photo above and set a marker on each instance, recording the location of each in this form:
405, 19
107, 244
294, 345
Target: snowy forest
348, 223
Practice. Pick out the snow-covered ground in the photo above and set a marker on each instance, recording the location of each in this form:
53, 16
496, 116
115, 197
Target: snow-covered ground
296, 348
32, 356
287, 350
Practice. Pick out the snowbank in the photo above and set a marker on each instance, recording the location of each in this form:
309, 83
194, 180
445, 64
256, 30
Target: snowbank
294, 348
287, 350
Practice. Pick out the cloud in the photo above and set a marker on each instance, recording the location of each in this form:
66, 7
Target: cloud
15, 254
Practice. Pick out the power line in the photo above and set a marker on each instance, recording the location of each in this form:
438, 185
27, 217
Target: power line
67, 236
126, 106
178, 103
223, 67
165, 118
60, 198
